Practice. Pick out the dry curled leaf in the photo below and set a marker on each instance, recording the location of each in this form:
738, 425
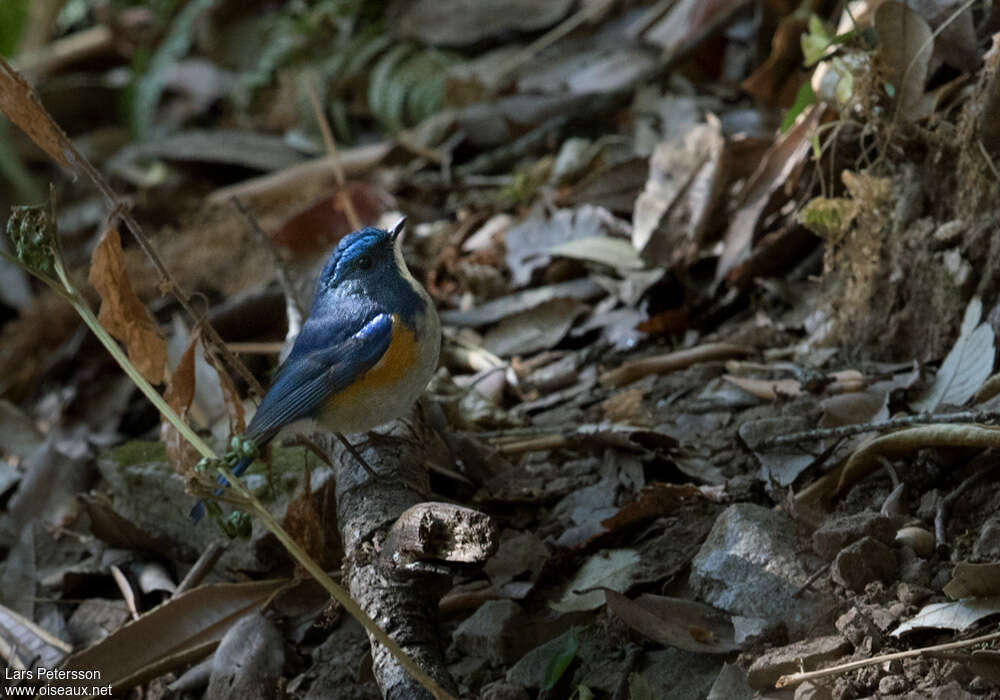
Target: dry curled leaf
179, 395
968, 364
20, 103
122, 314
905, 47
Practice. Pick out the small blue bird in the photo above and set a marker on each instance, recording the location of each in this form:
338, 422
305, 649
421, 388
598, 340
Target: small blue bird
365, 353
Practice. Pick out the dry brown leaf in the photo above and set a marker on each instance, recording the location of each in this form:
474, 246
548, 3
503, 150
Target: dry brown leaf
775, 168
973, 581
654, 500
122, 314
179, 395
767, 389
905, 47
675, 622
777, 79
866, 459
182, 630
20, 103
234, 405
626, 407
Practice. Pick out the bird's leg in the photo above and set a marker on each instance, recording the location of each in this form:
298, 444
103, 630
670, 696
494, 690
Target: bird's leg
357, 455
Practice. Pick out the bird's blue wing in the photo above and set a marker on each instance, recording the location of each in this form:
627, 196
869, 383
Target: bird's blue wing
325, 360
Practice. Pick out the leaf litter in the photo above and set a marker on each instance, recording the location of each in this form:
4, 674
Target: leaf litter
643, 280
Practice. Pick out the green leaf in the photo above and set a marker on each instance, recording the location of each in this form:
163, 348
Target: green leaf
561, 661
173, 48
383, 90
816, 42
845, 82
803, 98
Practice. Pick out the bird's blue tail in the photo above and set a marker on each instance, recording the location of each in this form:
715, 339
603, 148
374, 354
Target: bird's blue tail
198, 512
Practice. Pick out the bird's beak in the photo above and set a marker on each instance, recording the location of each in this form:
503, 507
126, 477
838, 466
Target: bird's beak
397, 229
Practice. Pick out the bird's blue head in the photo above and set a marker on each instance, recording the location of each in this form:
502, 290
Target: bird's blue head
368, 264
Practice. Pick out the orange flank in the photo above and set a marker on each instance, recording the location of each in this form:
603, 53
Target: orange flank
399, 359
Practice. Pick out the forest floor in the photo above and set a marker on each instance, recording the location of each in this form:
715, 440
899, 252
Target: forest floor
716, 404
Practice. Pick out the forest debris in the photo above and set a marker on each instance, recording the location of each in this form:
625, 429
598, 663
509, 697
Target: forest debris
176, 633
179, 395
26, 645
654, 501
313, 176
967, 365
635, 370
496, 631
440, 532
862, 562
800, 656
321, 224
970, 580
777, 79
529, 244
766, 389
731, 684
519, 553
221, 146
676, 622
839, 532
605, 250
540, 328
918, 539
778, 164
248, 662
610, 568
21, 105
122, 313
110, 527
685, 181
18, 434
954, 32
865, 459
52, 476
796, 678
463, 23
957, 615
780, 466
583, 288
905, 45
685, 24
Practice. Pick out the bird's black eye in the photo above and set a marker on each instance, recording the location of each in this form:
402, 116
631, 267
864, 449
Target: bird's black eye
364, 262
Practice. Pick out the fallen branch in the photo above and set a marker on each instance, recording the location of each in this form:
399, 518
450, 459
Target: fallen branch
817, 434
671, 362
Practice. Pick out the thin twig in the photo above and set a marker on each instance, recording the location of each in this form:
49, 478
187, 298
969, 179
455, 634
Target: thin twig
206, 562
813, 578
293, 305
891, 423
796, 678
73, 159
944, 507
331, 148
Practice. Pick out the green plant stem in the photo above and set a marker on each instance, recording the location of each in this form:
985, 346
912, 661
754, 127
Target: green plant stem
337, 592
83, 308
